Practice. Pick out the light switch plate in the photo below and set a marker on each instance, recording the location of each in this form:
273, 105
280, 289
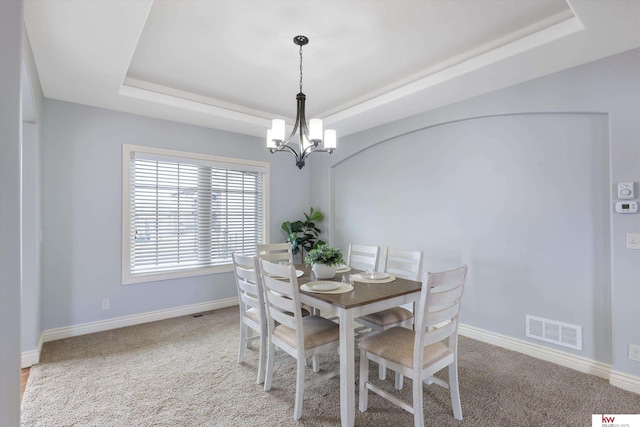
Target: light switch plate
633, 241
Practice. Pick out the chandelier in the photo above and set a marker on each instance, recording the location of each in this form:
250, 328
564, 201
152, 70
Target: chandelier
309, 136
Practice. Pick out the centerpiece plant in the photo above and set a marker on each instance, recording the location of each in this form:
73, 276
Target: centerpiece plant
324, 261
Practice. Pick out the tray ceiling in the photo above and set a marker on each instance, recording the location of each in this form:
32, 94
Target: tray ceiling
232, 65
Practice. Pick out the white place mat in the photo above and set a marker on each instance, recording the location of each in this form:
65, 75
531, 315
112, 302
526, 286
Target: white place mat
344, 288
361, 278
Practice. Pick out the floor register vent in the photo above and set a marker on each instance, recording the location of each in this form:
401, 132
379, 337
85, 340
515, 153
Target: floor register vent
554, 332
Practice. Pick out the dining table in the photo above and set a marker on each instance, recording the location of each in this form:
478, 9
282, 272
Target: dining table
364, 298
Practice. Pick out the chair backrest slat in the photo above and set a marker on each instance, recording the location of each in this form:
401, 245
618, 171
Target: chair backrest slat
280, 303
279, 284
444, 315
275, 252
250, 300
363, 257
247, 283
402, 263
438, 334
283, 317
445, 298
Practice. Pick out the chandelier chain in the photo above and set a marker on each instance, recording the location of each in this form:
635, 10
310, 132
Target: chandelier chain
300, 68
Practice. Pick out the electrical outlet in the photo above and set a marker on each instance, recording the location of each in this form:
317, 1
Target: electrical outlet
634, 352
105, 304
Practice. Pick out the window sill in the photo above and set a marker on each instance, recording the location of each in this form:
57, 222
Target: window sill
128, 279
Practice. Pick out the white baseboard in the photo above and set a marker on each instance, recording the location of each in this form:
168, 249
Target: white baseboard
32, 357
625, 381
136, 319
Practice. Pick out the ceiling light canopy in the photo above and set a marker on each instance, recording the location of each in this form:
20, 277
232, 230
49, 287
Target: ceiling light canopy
309, 136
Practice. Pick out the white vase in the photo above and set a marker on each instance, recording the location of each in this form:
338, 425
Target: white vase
324, 271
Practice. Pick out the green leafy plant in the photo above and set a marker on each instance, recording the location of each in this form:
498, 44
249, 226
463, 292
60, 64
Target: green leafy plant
303, 235
324, 254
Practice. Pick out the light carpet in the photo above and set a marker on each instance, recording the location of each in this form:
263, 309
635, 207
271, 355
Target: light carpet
183, 372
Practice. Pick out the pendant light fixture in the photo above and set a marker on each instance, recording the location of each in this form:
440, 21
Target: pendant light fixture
309, 136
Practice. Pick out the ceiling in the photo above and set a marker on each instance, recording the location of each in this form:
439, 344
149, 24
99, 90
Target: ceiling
232, 64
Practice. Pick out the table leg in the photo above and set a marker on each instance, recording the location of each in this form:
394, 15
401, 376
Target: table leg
347, 369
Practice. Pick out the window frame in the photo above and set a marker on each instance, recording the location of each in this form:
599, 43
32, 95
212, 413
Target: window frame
127, 155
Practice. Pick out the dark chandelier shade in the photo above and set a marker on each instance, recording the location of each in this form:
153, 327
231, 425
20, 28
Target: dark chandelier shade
309, 136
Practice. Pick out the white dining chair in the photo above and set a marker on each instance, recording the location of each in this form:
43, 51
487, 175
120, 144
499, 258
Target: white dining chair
420, 353
279, 253
298, 336
253, 315
403, 263
275, 252
407, 265
362, 257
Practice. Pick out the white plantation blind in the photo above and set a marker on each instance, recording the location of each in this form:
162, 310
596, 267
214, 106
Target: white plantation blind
191, 214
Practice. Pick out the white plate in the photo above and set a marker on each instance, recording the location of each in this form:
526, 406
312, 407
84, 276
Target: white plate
343, 269
376, 275
344, 288
323, 286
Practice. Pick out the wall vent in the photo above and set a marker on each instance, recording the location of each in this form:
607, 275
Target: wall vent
554, 332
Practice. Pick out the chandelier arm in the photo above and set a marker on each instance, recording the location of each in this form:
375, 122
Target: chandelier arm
288, 149
317, 150
311, 149
296, 125
293, 133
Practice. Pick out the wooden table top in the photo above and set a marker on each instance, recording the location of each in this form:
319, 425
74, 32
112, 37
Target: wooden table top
363, 293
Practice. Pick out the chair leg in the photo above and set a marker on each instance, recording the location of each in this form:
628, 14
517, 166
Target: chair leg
315, 360
297, 412
418, 407
261, 358
455, 390
382, 371
364, 377
399, 381
270, 361
243, 341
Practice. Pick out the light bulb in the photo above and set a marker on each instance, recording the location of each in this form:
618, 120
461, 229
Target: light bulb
330, 139
277, 127
315, 129
270, 142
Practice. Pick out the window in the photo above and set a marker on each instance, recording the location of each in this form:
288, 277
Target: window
185, 214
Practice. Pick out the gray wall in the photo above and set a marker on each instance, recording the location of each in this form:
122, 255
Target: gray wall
492, 192
82, 203
10, 253
518, 184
